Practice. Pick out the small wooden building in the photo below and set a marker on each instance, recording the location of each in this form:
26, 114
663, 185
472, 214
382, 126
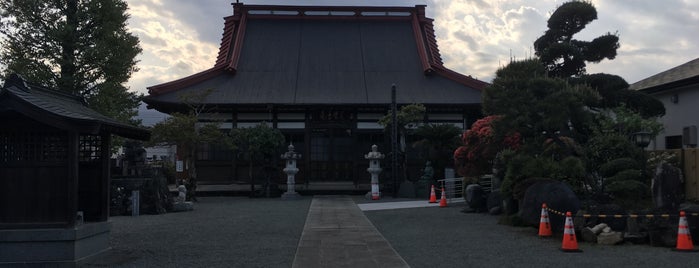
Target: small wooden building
323, 76
54, 174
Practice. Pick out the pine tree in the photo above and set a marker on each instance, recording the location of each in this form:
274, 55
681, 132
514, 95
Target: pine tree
566, 57
78, 46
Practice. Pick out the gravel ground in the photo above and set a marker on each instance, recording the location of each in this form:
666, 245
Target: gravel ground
243, 232
446, 237
219, 232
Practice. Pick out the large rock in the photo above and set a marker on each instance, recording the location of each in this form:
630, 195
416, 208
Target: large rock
663, 237
611, 238
587, 235
494, 203
557, 195
667, 187
617, 224
476, 197
182, 206
637, 238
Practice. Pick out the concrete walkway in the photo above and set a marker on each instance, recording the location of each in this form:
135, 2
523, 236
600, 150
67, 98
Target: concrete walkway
337, 234
404, 204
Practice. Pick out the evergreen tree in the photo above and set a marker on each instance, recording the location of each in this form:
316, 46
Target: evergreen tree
186, 132
258, 143
537, 106
567, 58
78, 46
564, 56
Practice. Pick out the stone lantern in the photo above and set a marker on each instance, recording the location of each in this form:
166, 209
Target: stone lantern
374, 169
291, 170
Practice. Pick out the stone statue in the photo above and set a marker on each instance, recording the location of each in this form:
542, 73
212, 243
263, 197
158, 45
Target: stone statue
428, 172
180, 203
667, 187
182, 193
422, 187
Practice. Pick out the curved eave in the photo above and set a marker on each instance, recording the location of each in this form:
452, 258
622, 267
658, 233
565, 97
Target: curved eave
187, 81
92, 126
460, 78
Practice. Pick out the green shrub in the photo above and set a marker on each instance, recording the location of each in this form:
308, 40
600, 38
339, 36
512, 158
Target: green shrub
628, 193
626, 175
615, 166
573, 172
604, 148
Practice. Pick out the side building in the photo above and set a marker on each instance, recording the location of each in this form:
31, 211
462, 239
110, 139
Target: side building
678, 90
323, 76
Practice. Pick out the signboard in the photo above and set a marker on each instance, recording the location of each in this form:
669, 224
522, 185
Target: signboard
179, 166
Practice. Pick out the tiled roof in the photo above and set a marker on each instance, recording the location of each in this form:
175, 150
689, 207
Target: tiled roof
308, 55
675, 75
64, 105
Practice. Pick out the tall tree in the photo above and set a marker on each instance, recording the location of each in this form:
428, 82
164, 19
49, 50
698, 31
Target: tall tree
537, 106
564, 56
437, 141
407, 117
258, 143
78, 46
567, 58
185, 131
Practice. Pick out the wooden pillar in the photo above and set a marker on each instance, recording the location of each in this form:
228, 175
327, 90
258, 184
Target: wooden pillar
106, 178
355, 148
234, 162
307, 137
73, 177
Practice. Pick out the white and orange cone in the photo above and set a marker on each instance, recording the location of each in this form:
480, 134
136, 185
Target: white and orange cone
443, 201
684, 239
570, 243
433, 196
544, 223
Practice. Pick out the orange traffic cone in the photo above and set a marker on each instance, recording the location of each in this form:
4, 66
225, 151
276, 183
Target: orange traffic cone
570, 244
684, 239
544, 223
443, 202
433, 197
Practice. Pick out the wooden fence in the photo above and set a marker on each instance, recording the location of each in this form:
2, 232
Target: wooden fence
689, 161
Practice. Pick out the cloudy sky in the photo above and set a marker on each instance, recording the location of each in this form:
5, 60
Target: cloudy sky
475, 37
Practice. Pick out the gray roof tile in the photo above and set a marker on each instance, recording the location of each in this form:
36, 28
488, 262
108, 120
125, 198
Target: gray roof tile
681, 72
65, 105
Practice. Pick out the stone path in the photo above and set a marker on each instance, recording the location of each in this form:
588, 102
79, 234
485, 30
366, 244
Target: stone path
404, 204
337, 234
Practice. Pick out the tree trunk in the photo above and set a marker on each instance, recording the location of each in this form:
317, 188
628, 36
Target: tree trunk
66, 81
252, 180
192, 174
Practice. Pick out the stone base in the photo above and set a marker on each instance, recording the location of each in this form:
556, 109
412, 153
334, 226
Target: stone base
291, 196
611, 238
182, 206
368, 195
53, 247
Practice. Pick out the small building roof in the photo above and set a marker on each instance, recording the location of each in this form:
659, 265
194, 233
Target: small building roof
60, 109
294, 55
681, 75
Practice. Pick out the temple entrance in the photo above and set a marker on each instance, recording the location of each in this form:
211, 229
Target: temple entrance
331, 155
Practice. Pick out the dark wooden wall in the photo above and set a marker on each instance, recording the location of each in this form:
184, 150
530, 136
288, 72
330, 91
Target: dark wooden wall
34, 175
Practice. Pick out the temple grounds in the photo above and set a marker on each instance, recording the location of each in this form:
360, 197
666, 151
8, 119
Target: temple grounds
244, 232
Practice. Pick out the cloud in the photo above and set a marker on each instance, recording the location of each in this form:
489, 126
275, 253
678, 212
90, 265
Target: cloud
475, 37
172, 44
